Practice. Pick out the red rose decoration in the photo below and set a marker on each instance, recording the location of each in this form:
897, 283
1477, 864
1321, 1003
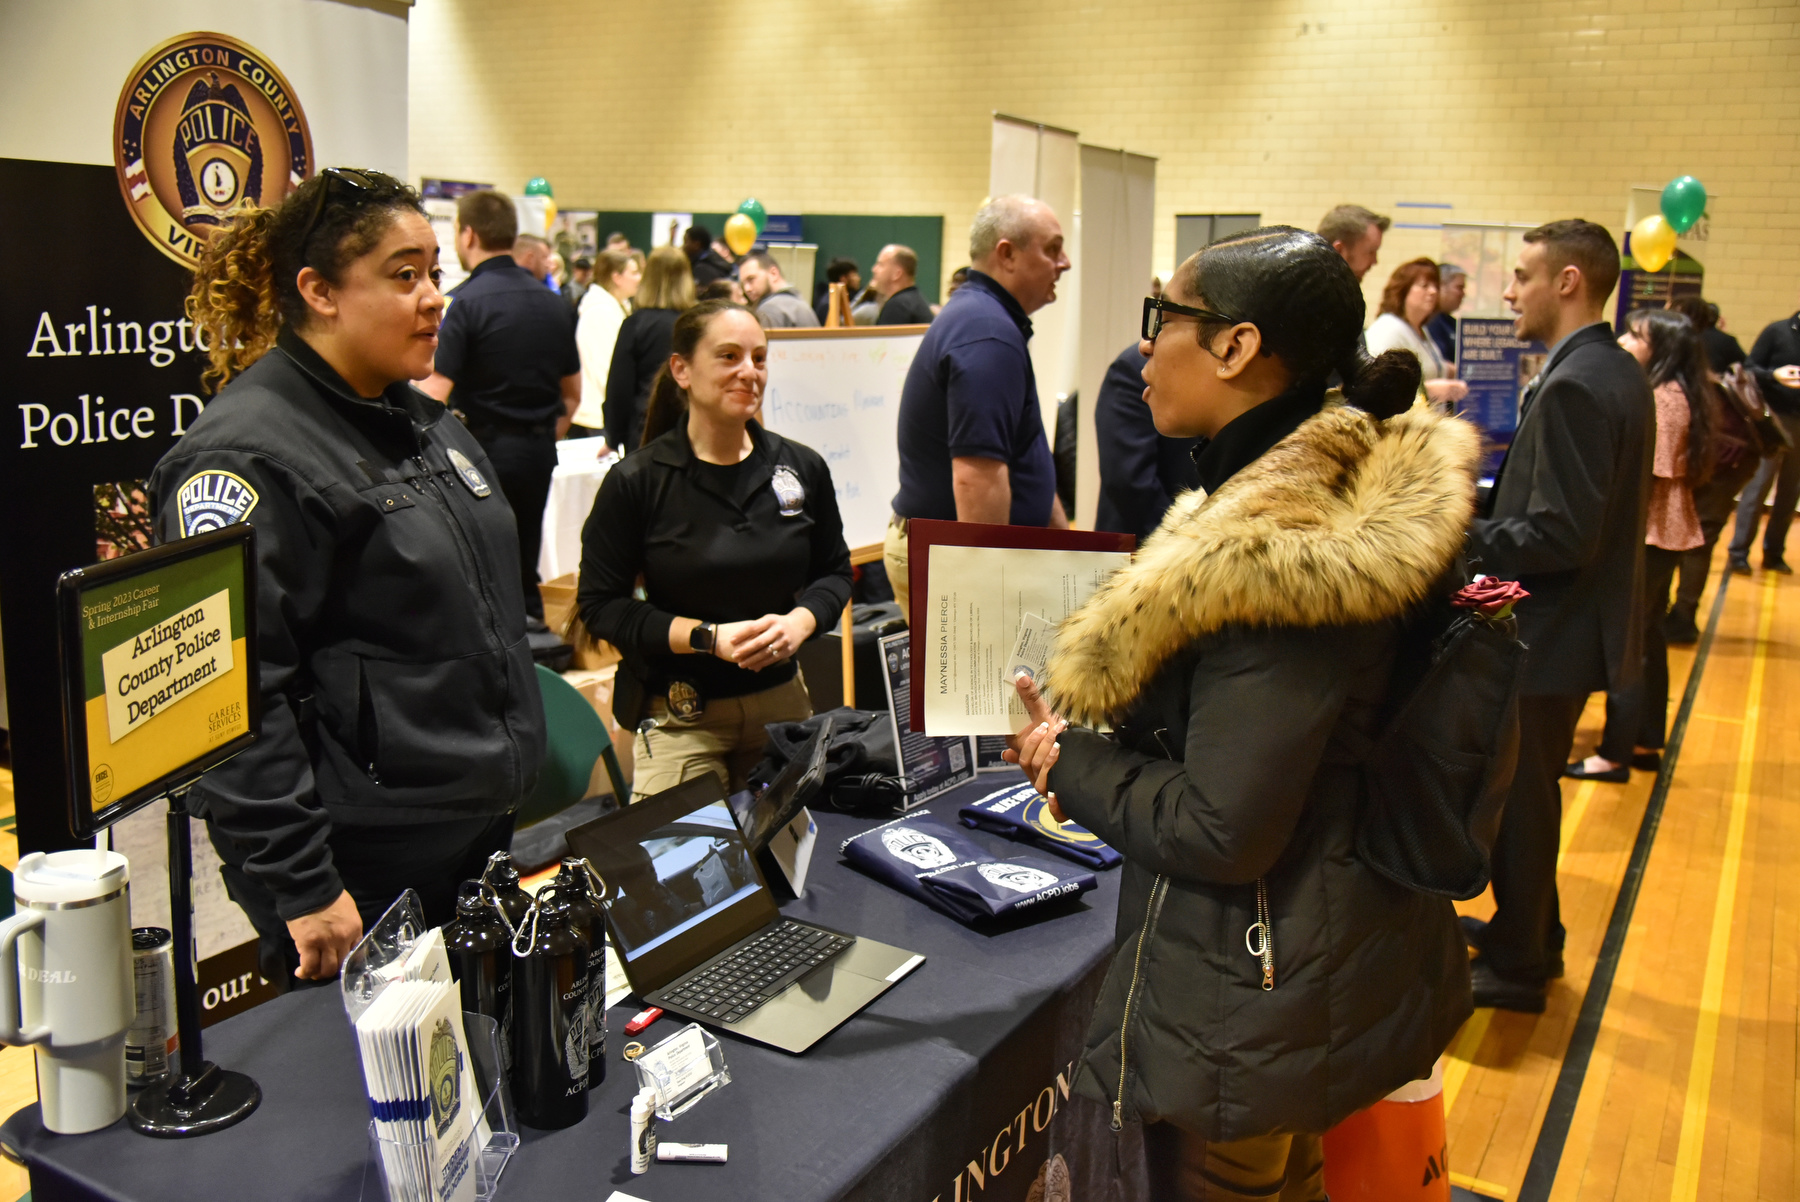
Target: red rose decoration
1490, 598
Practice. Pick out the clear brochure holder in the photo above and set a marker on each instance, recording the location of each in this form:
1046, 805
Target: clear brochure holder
373, 965
682, 1069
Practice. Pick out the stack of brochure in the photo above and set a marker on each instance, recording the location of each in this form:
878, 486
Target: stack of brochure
422, 1092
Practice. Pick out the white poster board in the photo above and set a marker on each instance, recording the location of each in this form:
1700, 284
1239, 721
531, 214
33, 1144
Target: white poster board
838, 392
1118, 212
1030, 158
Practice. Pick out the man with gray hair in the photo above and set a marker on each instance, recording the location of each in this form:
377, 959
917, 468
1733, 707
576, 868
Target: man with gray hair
972, 444
1355, 233
1453, 282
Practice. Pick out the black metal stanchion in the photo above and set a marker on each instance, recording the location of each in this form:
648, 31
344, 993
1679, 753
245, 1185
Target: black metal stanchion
202, 1097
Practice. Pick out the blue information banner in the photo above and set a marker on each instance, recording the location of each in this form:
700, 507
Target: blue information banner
782, 227
1496, 367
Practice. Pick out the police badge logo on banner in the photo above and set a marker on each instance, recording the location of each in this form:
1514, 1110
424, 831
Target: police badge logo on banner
206, 126
212, 501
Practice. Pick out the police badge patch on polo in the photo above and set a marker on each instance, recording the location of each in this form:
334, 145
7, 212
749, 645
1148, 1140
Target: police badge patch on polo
1022, 815
789, 492
212, 501
948, 871
472, 479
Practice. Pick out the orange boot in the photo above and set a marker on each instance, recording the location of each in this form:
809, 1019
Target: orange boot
1395, 1150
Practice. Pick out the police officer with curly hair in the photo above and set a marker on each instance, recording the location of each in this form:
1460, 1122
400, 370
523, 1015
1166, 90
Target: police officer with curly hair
402, 720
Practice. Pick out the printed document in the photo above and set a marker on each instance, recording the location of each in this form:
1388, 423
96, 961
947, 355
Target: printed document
970, 624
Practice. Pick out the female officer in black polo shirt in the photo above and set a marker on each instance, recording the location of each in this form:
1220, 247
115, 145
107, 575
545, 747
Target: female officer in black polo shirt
735, 532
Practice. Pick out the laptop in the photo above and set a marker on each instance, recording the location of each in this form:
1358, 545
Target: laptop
698, 932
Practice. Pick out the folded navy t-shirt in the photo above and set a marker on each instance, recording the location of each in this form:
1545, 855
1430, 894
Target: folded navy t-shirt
948, 871
1021, 814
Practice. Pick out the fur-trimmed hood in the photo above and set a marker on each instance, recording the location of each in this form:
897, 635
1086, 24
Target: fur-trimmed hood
1347, 520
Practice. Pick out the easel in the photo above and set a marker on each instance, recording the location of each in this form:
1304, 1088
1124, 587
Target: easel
837, 313
858, 557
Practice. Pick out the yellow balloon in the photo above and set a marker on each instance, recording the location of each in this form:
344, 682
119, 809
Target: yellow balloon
1653, 242
740, 233
549, 215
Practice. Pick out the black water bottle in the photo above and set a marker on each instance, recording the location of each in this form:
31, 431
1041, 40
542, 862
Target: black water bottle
501, 876
550, 1050
480, 949
574, 882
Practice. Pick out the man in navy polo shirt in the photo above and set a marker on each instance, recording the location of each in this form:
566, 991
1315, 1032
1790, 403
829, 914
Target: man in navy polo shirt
972, 445
507, 362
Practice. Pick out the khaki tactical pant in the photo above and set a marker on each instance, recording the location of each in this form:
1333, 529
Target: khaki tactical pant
727, 739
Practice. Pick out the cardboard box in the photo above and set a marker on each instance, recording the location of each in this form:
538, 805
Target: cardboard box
597, 686
561, 615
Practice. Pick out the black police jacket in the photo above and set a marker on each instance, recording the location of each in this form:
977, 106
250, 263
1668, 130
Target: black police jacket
397, 682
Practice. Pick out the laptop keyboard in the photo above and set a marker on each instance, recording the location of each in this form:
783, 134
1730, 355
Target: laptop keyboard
755, 972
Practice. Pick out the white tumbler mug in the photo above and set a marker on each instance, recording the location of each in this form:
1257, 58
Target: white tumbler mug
65, 982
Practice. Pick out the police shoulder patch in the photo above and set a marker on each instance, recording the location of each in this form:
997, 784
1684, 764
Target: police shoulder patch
213, 500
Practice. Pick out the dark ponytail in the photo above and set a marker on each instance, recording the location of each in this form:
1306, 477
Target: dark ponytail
246, 285
668, 402
1306, 303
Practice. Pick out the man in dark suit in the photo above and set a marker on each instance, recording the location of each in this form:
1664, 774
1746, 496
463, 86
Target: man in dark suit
1141, 471
1566, 519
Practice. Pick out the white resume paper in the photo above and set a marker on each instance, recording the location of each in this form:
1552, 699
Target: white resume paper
978, 595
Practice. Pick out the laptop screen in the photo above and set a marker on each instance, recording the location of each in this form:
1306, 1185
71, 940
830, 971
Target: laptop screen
681, 885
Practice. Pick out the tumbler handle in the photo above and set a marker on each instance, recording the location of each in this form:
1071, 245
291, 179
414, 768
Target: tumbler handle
10, 1015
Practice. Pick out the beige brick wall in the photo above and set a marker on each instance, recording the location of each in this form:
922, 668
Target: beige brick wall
1519, 111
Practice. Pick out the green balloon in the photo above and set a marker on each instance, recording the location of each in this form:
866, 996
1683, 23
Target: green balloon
753, 209
1683, 203
537, 185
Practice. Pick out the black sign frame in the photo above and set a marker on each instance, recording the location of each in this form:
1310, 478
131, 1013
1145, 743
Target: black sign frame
84, 820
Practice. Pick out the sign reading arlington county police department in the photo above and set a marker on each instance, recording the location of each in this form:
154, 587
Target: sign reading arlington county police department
163, 655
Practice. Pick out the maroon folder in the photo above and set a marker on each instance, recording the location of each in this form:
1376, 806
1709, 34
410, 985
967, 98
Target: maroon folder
924, 533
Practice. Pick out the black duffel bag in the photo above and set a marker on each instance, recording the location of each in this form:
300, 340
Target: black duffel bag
861, 754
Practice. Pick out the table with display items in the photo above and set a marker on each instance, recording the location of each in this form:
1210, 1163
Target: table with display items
952, 1085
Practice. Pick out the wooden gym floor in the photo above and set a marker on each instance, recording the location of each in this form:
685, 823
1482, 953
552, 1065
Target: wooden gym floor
1665, 1066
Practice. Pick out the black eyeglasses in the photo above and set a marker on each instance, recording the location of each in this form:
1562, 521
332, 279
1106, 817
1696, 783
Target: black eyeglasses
1156, 306
349, 182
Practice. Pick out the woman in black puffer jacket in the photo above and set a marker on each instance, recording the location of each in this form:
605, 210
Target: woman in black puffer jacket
1266, 984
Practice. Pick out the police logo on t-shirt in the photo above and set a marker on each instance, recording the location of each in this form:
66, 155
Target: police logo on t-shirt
916, 847
1016, 877
212, 501
789, 491
472, 479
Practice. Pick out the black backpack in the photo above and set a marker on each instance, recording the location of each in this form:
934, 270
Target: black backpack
1437, 775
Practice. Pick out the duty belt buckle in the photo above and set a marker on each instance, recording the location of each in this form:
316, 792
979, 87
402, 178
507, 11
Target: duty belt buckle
685, 701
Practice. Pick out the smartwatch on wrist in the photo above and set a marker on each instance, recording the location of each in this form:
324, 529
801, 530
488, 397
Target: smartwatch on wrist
704, 637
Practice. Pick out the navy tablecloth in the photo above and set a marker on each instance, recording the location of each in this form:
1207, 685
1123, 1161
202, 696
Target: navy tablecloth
950, 1086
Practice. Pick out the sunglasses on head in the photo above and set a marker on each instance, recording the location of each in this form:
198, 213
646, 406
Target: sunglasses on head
346, 182
1155, 307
